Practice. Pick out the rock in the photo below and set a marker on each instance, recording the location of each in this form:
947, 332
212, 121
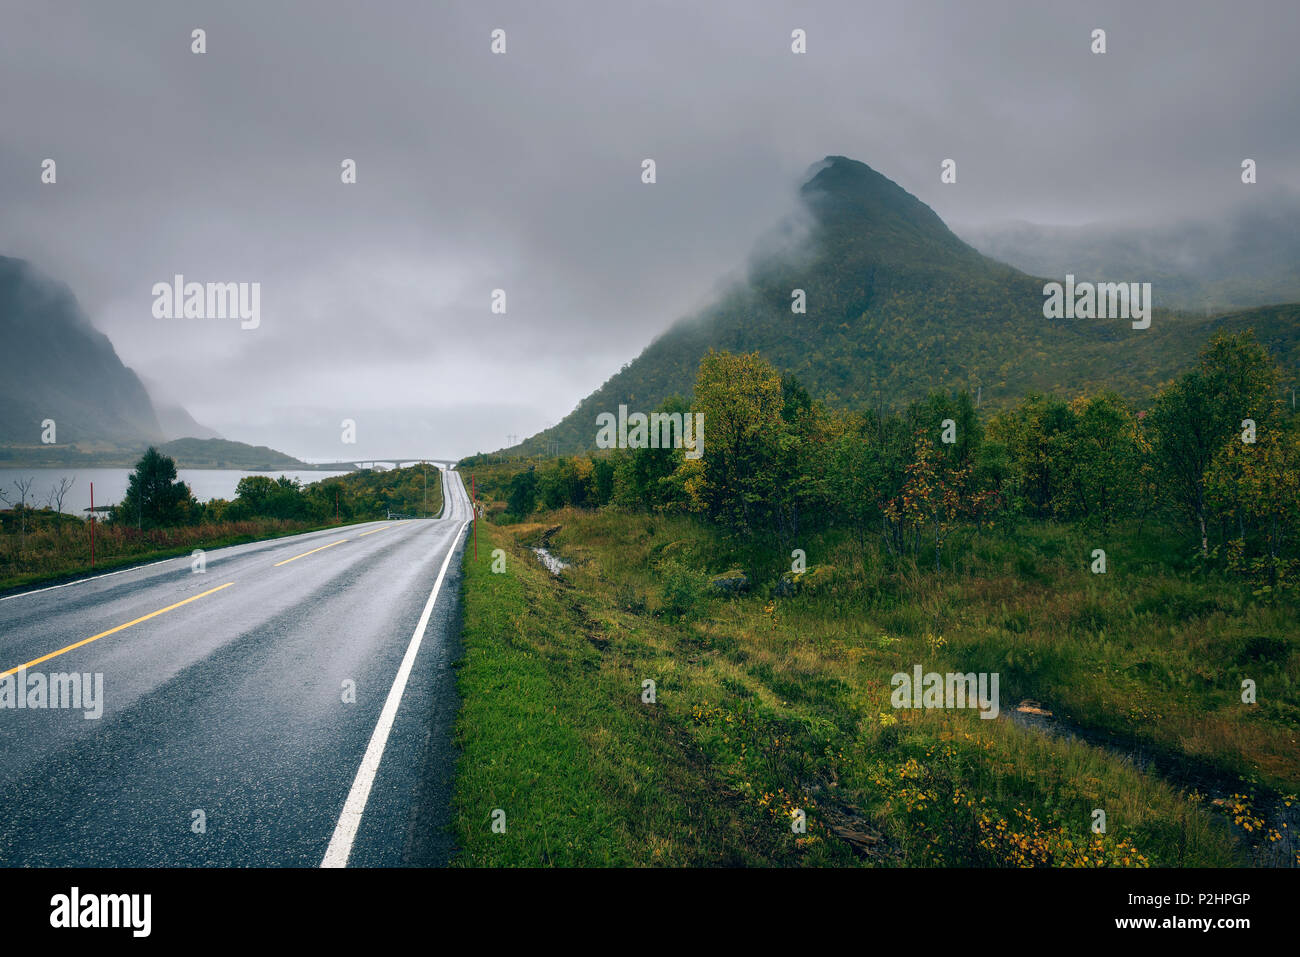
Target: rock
730, 583
851, 826
812, 580
817, 577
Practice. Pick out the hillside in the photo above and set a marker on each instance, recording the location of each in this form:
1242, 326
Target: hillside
188, 454
173, 417
898, 305
224, 454
57, 366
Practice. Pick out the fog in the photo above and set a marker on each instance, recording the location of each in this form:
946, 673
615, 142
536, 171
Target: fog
522, 172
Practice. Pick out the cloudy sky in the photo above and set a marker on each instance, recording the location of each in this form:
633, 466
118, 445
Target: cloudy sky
522, 171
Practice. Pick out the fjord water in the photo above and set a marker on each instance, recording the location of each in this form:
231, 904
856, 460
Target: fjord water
110, 484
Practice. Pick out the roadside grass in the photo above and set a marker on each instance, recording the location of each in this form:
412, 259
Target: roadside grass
553, 733
50, 558
768, 705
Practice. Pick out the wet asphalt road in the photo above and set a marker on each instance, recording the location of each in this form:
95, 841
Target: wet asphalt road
232, 704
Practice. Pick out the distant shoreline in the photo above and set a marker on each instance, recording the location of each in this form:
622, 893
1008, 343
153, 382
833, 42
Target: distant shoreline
199, 454
129, 462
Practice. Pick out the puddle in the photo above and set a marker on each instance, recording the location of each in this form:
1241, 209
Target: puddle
1285, 820
553, 564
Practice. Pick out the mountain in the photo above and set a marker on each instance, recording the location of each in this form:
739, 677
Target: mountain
174, 418
57, 366
898, 305
223, 454
1250, 257
187, 453
177, 423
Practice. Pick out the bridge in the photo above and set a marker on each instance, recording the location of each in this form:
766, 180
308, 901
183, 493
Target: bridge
390, 462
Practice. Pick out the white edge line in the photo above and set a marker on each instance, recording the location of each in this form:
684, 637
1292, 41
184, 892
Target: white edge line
345, 832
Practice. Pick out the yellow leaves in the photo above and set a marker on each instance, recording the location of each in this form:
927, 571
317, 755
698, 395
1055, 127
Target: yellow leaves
1241, 808
1018, 838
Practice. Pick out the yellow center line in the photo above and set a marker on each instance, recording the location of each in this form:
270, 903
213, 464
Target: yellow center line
312, 552
373, 530
113, 631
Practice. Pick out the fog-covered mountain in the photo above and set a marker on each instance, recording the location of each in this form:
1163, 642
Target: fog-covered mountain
175, 419
57, 366
898, 305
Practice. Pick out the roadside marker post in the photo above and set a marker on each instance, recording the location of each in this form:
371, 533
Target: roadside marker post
473, 504
92, 525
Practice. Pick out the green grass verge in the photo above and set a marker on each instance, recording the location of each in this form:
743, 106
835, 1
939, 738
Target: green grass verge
553, 733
